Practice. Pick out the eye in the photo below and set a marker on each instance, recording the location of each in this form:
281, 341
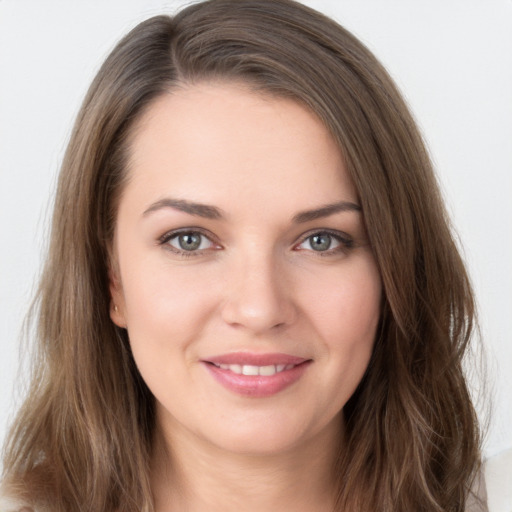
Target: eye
325, 242
187, 241
320, 242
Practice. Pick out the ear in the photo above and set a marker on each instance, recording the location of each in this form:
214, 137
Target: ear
117, 303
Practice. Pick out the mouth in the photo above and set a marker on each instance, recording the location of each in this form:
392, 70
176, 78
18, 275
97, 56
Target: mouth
256, 375
249, 369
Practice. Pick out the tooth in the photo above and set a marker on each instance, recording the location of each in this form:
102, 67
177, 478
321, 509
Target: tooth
267, 370
250, 370
289, 366
235, 368
280, 367
224, 366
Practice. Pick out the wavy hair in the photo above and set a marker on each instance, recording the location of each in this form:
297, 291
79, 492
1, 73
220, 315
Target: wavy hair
82, 439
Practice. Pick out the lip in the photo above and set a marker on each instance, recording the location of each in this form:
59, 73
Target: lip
255, 359
256, 386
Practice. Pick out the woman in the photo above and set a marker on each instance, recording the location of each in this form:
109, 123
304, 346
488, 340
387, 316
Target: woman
252, 299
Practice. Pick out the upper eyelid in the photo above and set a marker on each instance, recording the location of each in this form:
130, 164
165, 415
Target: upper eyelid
341, 235
164, 242
345, 242
175, 232
333, 232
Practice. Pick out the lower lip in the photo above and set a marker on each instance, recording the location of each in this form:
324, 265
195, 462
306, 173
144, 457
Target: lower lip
257, 386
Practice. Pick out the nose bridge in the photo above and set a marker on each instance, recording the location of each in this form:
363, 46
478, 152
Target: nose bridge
257, 297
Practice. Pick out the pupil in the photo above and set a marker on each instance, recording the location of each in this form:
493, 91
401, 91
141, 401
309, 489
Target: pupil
190, 241
321, 242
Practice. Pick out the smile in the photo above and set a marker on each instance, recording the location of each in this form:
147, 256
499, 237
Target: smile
256, 375
247, 369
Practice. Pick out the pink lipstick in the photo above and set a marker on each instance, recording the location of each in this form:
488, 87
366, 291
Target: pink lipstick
256, 375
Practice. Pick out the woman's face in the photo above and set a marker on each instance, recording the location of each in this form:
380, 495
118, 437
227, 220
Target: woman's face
243, 273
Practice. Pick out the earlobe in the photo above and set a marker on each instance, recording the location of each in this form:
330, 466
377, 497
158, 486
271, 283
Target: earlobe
117, 316
117, 308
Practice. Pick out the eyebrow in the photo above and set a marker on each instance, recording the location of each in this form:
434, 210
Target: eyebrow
212, 212
325, 211
198, 209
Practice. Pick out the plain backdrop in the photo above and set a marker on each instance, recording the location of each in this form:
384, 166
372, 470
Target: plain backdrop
451, 58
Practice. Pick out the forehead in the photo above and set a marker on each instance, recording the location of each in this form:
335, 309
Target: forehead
218, 142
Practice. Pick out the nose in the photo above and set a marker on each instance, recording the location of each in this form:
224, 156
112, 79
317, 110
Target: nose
258, 296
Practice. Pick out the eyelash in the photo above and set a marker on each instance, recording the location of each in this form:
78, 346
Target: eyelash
346, 243
167, 237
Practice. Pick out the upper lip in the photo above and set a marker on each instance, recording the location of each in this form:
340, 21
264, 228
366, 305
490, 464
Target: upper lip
247, 358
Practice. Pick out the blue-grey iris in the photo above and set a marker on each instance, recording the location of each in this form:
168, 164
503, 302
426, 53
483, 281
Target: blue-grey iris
321, 242
189, 241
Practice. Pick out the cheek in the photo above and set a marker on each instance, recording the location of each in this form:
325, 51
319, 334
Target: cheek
348, 306
169, 308
346, 316
166, 312
158, 294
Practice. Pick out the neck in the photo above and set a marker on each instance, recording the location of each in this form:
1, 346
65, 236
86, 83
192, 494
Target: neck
189, 474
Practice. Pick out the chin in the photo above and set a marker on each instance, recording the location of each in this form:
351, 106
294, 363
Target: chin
269, 436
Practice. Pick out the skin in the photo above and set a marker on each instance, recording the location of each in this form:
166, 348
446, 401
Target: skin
255, 285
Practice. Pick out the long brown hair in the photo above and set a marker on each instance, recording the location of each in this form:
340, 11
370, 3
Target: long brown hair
82, 439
